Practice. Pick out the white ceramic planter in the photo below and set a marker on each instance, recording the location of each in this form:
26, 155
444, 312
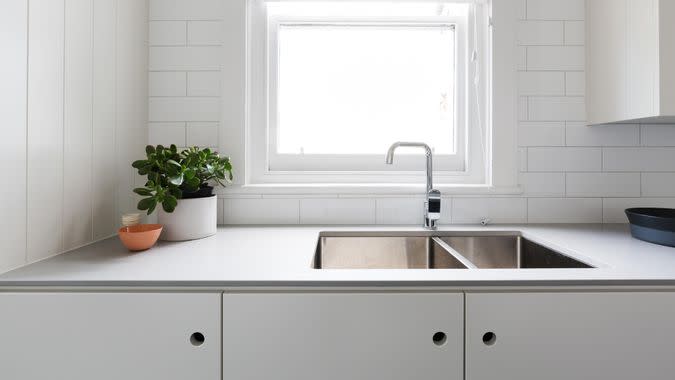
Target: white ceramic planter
192, 219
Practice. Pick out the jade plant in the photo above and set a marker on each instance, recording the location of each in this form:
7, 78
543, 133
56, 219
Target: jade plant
173, 175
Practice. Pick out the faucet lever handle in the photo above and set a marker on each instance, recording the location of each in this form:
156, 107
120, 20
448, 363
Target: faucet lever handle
433, 205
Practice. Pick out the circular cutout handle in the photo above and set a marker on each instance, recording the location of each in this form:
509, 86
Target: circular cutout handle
489, 338
439, 338
197, 339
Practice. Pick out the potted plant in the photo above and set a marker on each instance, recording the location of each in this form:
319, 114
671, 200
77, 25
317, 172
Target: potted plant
181, 182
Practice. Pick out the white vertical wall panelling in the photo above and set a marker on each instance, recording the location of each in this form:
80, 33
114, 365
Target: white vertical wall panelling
59, 98
103, 210
45, 128
13, 76
77, 170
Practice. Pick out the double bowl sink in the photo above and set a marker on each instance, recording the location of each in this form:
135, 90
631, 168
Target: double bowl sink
438, 251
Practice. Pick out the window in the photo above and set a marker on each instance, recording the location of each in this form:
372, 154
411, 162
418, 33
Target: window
332, 85
353, 89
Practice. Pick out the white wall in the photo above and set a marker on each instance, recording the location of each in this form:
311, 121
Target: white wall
13, 37
569, 172
75, 92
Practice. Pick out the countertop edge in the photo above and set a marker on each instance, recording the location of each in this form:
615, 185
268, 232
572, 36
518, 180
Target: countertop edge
334, 284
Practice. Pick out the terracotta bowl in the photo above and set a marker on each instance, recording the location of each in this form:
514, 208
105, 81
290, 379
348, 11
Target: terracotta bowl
140, 237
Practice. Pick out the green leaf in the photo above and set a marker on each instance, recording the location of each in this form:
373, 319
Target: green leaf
174, 163
170, 203
193, 183
149, 149
176, 180
176, 192
146, 203
143, 191
152, 208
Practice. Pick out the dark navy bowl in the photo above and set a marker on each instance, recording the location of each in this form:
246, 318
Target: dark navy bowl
655, 225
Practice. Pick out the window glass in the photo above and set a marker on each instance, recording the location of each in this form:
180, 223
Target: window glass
356, 88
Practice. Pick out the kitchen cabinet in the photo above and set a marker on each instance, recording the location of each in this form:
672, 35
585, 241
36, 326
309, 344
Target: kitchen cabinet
562, 336
630, 55
337, 336
110, 336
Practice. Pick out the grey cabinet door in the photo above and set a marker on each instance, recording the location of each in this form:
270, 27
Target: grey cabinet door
355, 336
109, 336
563, 336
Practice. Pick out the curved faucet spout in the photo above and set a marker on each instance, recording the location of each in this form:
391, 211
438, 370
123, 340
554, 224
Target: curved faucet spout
427, 150
432, 206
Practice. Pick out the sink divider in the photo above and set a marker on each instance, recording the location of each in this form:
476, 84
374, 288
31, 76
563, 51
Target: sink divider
466, 262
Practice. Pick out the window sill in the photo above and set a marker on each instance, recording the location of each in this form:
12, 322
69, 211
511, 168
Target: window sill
364, 189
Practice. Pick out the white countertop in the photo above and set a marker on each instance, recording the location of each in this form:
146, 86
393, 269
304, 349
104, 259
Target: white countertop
282, 256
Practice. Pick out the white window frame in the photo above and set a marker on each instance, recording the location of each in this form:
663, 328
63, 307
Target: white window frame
500, 175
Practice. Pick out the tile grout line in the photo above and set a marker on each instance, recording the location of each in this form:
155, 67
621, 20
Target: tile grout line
527, 209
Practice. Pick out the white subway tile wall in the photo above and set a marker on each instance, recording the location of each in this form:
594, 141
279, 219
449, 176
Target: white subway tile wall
337, 211
570, 173
497, 210
185, 61
399, 210
262, 211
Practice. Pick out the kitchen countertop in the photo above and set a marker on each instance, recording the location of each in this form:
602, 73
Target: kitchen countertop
282, 256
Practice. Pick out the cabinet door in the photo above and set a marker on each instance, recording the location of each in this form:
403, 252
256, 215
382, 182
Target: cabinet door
642, 59
563, 336
606, 66
105, 336
355, 336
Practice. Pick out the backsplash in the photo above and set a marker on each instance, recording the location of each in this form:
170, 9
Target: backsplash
570, 173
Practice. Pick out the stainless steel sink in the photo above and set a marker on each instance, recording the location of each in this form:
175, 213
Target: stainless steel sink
438, 251
383, 252
506, 252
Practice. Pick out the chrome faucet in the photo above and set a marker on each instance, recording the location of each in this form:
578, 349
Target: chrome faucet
432, 206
